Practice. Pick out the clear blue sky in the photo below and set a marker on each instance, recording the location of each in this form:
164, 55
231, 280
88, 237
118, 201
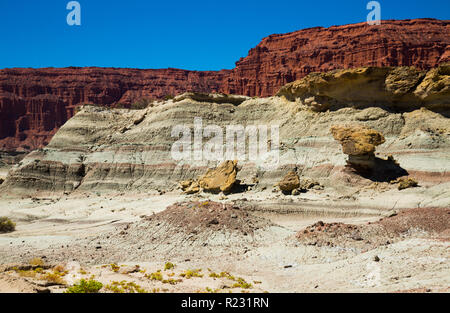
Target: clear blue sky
188, 34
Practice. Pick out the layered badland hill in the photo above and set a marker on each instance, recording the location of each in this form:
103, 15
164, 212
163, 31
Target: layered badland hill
112, 150
34, 103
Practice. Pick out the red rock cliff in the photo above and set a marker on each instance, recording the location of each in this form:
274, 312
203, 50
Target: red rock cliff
34, 103
280, 59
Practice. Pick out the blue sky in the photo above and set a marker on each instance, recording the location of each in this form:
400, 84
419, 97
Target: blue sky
195, 34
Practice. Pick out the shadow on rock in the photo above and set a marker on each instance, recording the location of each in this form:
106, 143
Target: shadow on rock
376, 169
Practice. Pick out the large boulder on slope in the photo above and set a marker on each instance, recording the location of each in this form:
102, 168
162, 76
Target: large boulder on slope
219, 179
290, 182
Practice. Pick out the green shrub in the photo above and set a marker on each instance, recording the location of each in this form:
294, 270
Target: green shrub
53, 278
6, 225
114, 267
84, 286
155, 276
125, 287
169, 265
241, 283
191, 273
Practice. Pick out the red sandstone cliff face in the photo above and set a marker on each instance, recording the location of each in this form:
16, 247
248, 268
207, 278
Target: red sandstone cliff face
34, 103
280, 59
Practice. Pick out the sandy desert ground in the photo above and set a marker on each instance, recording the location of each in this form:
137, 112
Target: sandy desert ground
90, 235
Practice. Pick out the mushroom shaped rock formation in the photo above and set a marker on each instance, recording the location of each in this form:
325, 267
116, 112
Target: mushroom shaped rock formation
359, 143
357, 140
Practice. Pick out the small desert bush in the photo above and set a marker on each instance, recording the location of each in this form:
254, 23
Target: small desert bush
239, 281
54, 278
169, 266
30, 274
191, 273
114, 267
207, 290
210, 290
85, 286
159, 277
221, 275
60, 268
1, 181
6, 225
125, 287
155, 276
171, 281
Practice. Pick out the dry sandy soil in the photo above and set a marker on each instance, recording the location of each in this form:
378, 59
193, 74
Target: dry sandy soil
314, 242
